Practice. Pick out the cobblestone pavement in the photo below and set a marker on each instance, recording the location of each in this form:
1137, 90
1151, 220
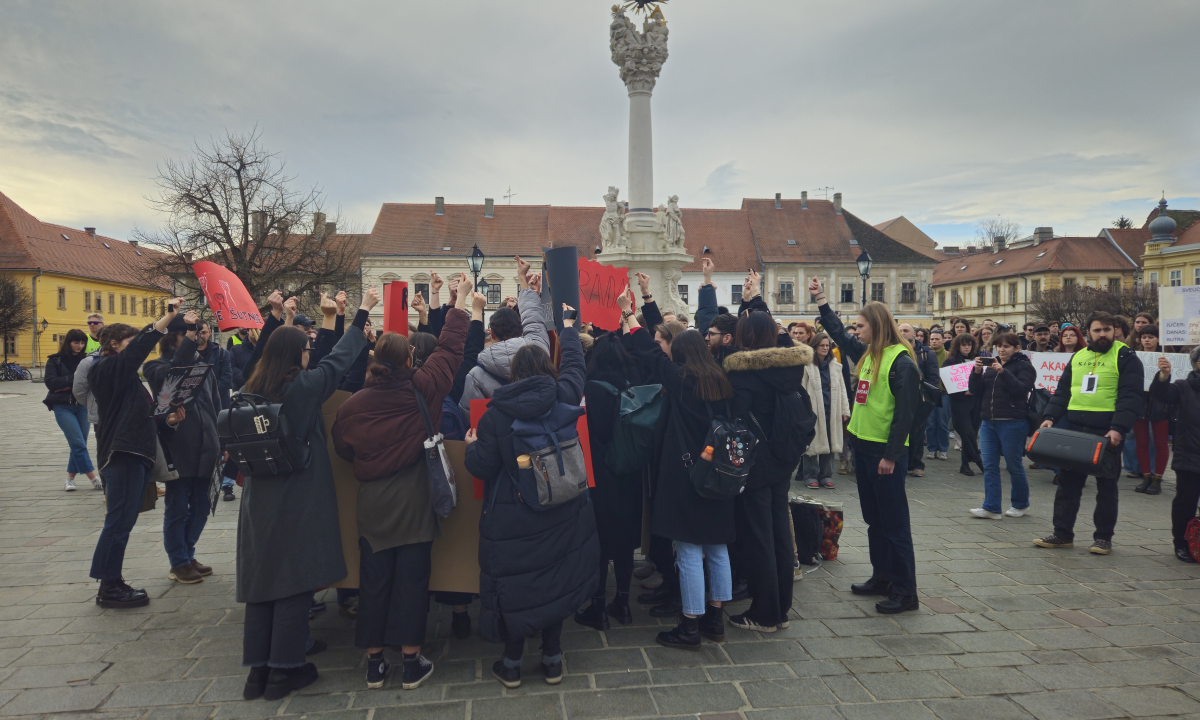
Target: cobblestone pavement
1006, 630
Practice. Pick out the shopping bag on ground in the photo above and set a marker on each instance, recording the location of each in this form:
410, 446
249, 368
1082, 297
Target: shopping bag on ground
832, 520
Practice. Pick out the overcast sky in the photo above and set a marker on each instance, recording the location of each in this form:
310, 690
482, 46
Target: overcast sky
1058, 113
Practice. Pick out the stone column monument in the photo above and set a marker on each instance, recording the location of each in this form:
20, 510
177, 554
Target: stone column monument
642, 237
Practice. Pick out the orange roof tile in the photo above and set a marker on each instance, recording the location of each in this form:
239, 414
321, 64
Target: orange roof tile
1061, 253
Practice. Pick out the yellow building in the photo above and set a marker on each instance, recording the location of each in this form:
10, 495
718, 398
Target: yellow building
1172, 247
72, 273
995, 283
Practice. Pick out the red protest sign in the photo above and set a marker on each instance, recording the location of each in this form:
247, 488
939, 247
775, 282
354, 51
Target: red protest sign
599, 286
395, 307
231, 305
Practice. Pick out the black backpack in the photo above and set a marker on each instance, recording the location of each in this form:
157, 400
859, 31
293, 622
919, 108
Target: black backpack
726, 474
255, 433
793, 429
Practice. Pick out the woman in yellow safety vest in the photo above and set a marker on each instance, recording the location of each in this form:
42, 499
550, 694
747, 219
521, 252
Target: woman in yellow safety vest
885, 397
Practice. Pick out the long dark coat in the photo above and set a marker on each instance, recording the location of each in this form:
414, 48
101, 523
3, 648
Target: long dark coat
535, 567
617, 498
289, 540
193, 445
679, 513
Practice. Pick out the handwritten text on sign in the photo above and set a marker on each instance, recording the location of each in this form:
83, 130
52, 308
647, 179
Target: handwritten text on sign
230, 304
599, 286
1049, 368
957, 377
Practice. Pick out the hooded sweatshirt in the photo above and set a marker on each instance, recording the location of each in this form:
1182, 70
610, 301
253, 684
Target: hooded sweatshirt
494, 363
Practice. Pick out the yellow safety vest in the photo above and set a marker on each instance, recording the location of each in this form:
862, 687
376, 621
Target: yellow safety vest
1098, 393
874, 403
92, 345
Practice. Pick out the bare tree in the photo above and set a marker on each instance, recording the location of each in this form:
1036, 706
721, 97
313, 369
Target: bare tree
1122, 223
1073, 304
986, 231
16, 308
232, 203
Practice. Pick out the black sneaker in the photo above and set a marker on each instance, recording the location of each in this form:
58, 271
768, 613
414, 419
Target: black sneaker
552, 670
416, 671
745, 623
281, 681
712, 623
897, 604
685, 636
118, 594
227, 493
1184, 554
593, 616
460, 625
508, 677
256, 683
871, 587
377, 670
349, 608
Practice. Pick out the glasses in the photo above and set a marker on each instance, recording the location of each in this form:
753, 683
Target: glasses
94, 322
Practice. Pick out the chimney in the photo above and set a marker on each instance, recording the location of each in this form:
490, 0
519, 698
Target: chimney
998, 243
950, 250
257, 221
133, 243
330, 228
90, 231
318, 224
804, 200
837, 203
1042, 234
439, 205
489, 207
778, 201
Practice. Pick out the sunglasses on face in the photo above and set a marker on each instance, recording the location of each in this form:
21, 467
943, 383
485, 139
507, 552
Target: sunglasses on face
93, 322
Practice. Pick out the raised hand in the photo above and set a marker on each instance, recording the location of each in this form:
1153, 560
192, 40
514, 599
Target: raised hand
173, 306
478, 303
643, 281
435, 281
568, 322
623, 300
754, 278
706, 267
814, 286
746, 290
340, 300
190, 317
454, 280
418, 304
509, 302
177, 415
329, 307
370, 299
534, 280
275, 300
1164, 366
522, 266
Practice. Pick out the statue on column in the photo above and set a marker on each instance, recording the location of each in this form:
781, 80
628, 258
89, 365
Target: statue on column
673, 223
612, 230
640, 55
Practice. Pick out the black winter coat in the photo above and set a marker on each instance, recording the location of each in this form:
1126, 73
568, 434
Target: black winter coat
222, 371
1005, 396
617, 498
758, 378
123, 403
1185, 396
239, 360
535, 567
192, 445
679, 513
60, 378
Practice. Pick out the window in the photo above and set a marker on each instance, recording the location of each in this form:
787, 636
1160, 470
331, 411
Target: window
1114, 285
908, 292
1196, 276
145, 307
996, 294
153, 307
877, 292
1154, 279
87, 300
941, 299
847, 292
10, 345
981, 296
423, 288
1012, 293
955, 302
54, 339
112, 304
735, 294
787, 293
124, 305
62, 298
1176, 278
1068, 283
683, 293
493, 294
1035, 289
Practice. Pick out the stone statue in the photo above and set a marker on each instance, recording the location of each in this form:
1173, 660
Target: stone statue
611, 228
673, 223
640, 55
671, 279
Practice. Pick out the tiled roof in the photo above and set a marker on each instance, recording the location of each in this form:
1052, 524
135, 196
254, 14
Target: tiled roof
821, 235
1062, 253
28, 243
726, 234
1132, 241
1191, 236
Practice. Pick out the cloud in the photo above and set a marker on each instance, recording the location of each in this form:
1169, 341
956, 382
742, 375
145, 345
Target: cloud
721, 187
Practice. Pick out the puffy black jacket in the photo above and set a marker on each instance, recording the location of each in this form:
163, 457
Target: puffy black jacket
123, 402
239, 359
758, 378
1005, 396
60, 378
1128, 407
1185, 396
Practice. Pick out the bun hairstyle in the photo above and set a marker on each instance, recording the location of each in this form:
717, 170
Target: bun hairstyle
392, 352
114, 333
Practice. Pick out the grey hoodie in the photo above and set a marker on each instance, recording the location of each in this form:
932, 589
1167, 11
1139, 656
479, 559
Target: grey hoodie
495, 361
82, 391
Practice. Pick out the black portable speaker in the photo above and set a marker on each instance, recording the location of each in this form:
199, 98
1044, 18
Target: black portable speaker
1074, 450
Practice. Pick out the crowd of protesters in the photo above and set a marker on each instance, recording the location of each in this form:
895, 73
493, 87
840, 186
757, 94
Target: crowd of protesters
868, 392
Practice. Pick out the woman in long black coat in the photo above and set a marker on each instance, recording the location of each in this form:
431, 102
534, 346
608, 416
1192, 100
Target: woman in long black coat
964, 406
617, 497
536, 567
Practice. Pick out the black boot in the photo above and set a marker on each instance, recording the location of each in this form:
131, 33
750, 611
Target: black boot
685, 636
593, 615
871, 587
965, 469
671, 608
256, 683
712, 624
1144, 484
1155, 486
656, 596
896, 603
283, 681
117, 594
618, 609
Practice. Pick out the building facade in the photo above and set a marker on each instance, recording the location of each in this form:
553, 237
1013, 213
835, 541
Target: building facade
71, 273
1171, 254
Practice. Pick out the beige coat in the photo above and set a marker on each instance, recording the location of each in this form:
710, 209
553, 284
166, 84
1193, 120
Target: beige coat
838, 406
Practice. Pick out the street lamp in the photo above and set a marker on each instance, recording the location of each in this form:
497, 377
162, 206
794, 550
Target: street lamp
864, 271
475, 262
45, 324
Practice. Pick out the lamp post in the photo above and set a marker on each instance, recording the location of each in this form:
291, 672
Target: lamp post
864, 271
475, 263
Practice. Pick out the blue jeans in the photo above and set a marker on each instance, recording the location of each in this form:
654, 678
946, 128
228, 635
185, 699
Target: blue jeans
73, 419
689, 559
186, 512
125, 479
1129, 457
1007, 438
937, 428
885, 511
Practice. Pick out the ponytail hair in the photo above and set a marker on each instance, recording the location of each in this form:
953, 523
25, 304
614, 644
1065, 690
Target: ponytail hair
392, 352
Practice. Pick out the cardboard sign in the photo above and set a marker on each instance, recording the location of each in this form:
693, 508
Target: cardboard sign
179, 388
1179, 314
1049, 368
395, 307
1181, 365
479, 407
231, 305
956, 378
346, 487
599, 286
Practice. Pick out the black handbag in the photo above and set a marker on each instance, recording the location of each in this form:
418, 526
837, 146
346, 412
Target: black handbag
255, 433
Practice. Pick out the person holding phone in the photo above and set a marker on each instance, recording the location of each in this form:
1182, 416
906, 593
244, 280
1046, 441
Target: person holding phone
1099, 392
1003, 384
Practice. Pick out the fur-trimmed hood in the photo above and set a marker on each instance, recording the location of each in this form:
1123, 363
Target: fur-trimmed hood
766, 358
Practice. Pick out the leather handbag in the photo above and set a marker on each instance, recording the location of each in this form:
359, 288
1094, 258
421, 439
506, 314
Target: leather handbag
255, 433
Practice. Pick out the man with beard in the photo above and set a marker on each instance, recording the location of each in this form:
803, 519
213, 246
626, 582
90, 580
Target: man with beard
1100, 392
720, 336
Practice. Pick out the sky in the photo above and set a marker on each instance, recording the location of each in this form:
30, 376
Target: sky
1064, 114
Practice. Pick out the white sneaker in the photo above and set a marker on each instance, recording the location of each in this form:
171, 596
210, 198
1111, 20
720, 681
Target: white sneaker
96, 483
1014, 512
931, 455
981, 513
71, 485
942, 455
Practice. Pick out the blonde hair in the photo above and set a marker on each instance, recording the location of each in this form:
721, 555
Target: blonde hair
670, 329
884, 334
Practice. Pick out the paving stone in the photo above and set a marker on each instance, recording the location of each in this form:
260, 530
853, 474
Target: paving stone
906, 686
804, 713
1070, 676
790, 692
1133, 635
834, 648
243, 710
996, 659
858, 666
1149, 672
685, 699
434, 711
57, 700
887, 711
661, 657
622, 679
765, 651
46, 676
1071, 705
590, 661
146, 670
1064, 639
136, 695
817, 668
1000, 641
989, 681
604, 704
1151, 701
731, 673
917, 645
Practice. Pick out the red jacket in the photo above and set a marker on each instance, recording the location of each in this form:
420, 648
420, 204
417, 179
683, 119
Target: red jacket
379, 428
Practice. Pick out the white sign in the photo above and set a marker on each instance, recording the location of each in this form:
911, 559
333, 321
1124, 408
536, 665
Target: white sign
1179, 314
1180, 365
1049, 368
957, 377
